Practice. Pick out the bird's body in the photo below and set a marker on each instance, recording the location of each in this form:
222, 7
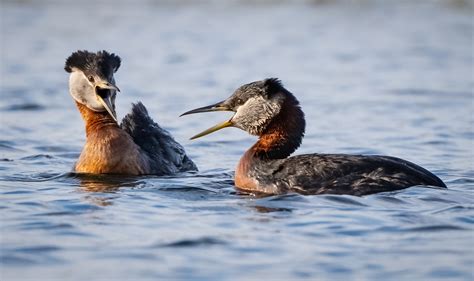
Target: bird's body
268, 110
330, 174
138, 146
108, 148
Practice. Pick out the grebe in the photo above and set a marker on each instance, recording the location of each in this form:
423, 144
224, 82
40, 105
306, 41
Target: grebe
138, 146
266, 109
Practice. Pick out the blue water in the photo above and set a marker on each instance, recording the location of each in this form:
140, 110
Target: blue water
373, 77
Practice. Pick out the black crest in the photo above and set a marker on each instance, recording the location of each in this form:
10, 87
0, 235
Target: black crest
273, 85
101, 62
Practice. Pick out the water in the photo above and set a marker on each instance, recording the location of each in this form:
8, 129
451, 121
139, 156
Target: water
388, 77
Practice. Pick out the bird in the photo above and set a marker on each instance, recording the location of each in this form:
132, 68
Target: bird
268, 110
138, 146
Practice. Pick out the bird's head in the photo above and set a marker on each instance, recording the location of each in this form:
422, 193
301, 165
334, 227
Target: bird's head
91, 80
255, 105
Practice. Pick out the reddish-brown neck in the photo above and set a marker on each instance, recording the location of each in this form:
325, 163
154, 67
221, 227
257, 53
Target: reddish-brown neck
95, 121
283, 135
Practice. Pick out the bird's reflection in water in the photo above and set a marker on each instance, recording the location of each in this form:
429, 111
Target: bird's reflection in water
266, 209
284, 203
103, 189
102, 201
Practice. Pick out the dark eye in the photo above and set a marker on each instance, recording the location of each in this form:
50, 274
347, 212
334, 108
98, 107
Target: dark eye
90, 78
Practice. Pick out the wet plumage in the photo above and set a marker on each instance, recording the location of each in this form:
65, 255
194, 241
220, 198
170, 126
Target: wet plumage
137, 146
266, 109
156, 142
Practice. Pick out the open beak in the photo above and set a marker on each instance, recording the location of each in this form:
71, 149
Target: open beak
214, 107
107, 85
217, 127
103, 91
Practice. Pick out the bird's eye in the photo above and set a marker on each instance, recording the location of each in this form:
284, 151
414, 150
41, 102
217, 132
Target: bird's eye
90, 78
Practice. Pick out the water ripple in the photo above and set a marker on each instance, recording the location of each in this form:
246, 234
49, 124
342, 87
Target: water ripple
198, 242
24, 107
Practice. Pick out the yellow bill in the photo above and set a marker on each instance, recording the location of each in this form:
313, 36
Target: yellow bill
217, 127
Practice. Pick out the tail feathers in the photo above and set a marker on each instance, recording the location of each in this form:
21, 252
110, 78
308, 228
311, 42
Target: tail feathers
166, 155
424, 175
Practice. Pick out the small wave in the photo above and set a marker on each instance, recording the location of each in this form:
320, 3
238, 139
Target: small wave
435, 228
15, 260
37, 157
436, 199
8, 146
214, 173
425, 228
38, 249
344, 199
294, 197
267, 209
352, 232
68, 155
41, 225
53, 148
461, 180
189, 189
452, 209
389, 199
203, 241
38, 177
24, 107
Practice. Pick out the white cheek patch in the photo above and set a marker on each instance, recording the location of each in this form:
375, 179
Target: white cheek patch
83, 92
256, 113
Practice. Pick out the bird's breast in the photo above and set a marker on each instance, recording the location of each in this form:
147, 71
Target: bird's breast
111, 151
247, 176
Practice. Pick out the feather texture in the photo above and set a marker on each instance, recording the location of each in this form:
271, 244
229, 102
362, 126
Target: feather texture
166, 155
340, 174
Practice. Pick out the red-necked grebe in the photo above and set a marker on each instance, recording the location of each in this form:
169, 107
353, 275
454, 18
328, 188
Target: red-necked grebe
266, 109
137, 146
